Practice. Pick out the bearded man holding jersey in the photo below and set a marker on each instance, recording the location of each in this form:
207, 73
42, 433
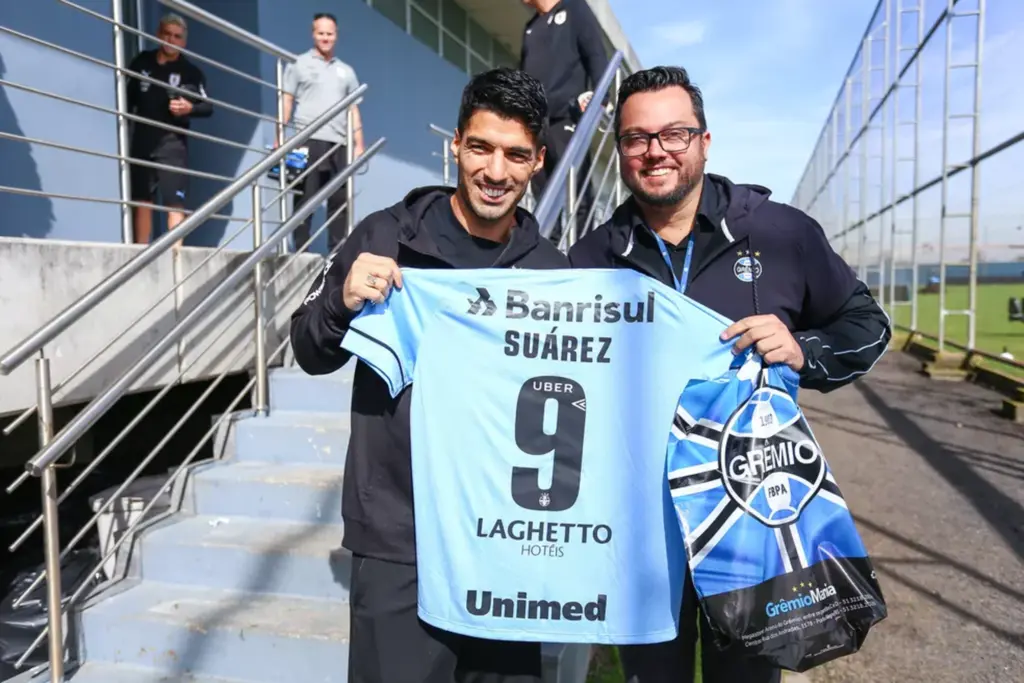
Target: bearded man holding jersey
498, 148
763, 264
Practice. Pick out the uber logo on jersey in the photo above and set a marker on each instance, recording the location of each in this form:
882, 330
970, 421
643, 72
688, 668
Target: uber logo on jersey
769, 461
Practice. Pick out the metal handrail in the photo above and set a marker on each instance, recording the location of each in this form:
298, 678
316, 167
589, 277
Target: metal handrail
185, 51
238, 33
95, 409
138, 76
546, 211
446, 137
132, 117
199, 267
35, 341
116, 157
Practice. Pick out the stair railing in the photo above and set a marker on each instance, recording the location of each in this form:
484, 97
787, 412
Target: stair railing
565, 183
264, 306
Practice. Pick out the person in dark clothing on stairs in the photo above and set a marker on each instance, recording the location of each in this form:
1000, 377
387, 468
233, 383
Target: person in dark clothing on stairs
563, 47
498, 147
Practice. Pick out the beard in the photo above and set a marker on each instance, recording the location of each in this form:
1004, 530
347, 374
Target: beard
689, 177
485, 211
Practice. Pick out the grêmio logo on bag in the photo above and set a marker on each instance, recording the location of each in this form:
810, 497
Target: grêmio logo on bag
770, 463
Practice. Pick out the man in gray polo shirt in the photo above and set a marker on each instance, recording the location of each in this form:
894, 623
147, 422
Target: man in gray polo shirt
312, 84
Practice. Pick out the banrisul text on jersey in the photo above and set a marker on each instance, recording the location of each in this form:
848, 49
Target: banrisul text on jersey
778, 564
540, 407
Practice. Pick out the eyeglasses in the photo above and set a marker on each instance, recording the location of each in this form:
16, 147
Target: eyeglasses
672, 140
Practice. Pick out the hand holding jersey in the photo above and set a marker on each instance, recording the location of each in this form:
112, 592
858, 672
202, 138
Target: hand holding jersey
370, 279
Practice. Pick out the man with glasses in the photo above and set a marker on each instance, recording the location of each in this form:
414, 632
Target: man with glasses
766, 265
312, 85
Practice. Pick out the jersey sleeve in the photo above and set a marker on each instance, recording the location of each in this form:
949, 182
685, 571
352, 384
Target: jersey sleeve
386, 336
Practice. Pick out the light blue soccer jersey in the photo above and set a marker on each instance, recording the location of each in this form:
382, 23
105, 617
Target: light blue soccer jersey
541, 404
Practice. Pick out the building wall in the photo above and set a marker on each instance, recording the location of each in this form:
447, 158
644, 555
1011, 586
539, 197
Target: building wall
410, 87
40, 168
414, 80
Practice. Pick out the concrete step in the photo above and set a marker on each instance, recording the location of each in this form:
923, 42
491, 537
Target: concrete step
252, 637
293, 437
292, 389
120, 673
252, 555
308, 493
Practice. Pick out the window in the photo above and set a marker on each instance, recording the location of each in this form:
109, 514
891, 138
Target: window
392, 9
424, 29
454, 19
454, 51
446, 28
479, 40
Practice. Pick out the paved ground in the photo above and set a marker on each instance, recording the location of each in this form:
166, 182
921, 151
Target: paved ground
936, 483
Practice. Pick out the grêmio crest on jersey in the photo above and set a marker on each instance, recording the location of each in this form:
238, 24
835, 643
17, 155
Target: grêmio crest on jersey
769, 461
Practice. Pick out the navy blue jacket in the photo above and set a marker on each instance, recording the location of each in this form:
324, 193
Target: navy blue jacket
838, 324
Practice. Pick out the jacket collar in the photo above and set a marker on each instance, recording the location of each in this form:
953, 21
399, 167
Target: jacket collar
409, 214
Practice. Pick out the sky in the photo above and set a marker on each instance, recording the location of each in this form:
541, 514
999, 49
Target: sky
769, 70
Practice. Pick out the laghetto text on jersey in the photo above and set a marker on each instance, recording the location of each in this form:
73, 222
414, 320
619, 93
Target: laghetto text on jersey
776, 560
541, 401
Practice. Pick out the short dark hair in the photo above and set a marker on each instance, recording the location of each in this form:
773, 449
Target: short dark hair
325, 15
659, 78
509, 93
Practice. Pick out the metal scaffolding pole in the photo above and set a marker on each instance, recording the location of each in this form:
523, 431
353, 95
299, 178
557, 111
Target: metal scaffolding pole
915, 264
882, 128
846, 165
972, 213
865, 108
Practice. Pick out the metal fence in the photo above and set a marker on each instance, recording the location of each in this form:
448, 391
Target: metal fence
914, 174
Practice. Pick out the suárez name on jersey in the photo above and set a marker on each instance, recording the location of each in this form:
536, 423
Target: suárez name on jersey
562, 346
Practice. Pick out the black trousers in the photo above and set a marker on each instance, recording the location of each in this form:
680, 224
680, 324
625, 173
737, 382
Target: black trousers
390, 644
338, 228
557, 141
674, 661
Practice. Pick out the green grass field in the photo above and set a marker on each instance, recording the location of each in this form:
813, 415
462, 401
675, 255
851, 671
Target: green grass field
994, 331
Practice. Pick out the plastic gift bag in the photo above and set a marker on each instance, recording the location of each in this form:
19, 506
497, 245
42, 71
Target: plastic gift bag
777, 563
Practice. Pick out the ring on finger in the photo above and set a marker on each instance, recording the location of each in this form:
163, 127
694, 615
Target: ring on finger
371, 280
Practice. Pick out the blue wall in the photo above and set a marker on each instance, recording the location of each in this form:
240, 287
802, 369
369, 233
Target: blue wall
410, 87
36, 167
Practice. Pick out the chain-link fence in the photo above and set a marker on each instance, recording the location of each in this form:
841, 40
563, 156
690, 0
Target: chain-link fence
916, 176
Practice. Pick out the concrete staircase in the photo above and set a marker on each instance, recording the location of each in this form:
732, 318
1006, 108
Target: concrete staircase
247, 582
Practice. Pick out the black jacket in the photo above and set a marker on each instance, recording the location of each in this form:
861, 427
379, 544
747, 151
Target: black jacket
377, 506
564, 50
152, 101
840, 327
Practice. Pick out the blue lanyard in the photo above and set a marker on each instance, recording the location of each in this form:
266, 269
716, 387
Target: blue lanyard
680, 282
